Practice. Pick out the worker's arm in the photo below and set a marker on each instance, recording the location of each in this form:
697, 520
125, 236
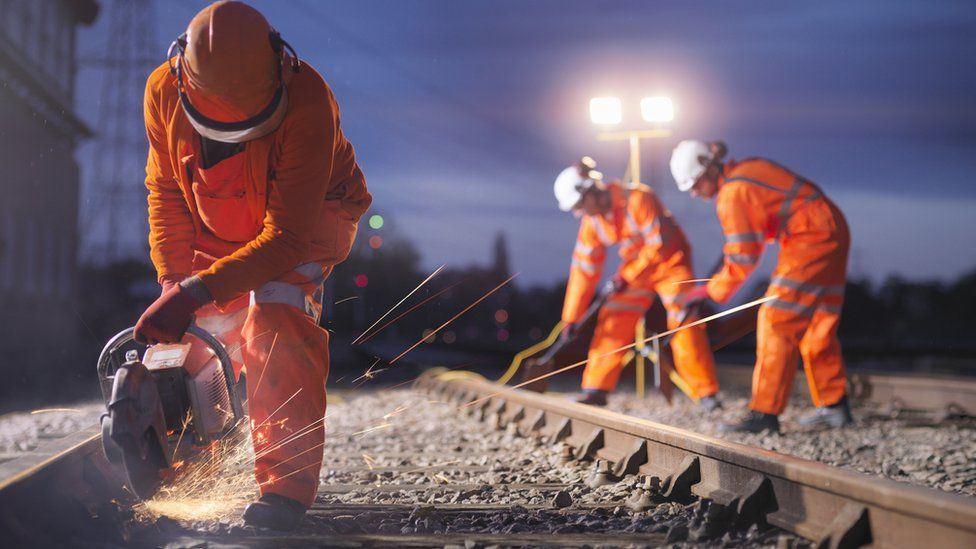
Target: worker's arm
171, 228
648, 215
295, 197
741, 218
584, 273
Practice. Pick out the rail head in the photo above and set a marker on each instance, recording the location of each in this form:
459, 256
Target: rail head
805, 497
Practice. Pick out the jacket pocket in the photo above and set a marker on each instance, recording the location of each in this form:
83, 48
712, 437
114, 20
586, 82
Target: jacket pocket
228, 218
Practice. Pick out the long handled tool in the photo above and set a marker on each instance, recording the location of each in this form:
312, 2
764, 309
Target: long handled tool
536, 367
665, 377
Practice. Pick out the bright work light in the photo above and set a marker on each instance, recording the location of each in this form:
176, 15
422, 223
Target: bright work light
655, 109
606, 110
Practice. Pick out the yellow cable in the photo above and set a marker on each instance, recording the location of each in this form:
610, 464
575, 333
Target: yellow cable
460, 374
542, 345
680, 383
639, 356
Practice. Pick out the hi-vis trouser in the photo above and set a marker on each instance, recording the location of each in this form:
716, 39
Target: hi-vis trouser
618, 319
802, 321
273, 334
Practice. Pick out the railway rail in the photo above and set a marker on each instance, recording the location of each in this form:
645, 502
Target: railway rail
415, 495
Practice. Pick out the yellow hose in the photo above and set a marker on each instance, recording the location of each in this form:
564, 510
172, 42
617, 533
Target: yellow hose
521, 356
460, 374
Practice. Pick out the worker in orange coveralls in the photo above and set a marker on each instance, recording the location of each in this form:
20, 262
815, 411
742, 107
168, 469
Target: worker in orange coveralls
254, 196
759, 201
656, 256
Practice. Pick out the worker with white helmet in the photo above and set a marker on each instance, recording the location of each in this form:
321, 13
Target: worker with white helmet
761, 202
655, 257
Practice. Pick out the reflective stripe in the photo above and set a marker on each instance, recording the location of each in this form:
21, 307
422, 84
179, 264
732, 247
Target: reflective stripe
737, 238
583, 248
600, 233
279, 292
742, 259
799, 308
832, 309
584, 266
813, 196
624, 306
654, 240
221, 324
668, 299
639, 292
784, 209
311, 271
755, 182
632, 223
807, 287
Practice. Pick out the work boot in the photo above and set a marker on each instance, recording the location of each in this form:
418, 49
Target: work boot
274, 512
710, 403
755, 422
593, 397
835, 415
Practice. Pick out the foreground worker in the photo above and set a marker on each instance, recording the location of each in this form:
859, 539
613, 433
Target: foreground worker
656, 259
254, 196
759, 201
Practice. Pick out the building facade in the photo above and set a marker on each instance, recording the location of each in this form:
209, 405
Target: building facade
39, 186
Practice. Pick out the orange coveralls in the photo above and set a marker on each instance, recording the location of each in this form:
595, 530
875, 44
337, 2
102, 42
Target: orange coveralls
758, 202
655, 255
262, 229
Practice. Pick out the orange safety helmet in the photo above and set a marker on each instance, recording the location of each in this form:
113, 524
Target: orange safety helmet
229, 73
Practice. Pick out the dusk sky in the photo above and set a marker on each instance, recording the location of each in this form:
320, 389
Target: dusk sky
462, 113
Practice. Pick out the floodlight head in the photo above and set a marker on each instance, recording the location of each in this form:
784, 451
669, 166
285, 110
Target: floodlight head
657, 109
606, 110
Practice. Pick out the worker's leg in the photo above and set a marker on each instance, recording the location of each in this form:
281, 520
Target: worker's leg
780, 327
822, 359
615, 329
693, 358
287, 371
226, 324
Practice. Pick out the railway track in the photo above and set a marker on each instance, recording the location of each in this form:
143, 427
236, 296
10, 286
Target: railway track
555, 473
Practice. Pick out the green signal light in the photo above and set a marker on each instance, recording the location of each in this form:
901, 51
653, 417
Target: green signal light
376, 221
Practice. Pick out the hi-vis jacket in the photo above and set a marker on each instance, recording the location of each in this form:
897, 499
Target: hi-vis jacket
647, 235
761, 202
295, 196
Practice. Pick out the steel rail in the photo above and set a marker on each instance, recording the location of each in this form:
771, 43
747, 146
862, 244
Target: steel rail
833, 506
942, 395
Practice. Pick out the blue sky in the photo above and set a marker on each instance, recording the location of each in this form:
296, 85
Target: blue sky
462, 113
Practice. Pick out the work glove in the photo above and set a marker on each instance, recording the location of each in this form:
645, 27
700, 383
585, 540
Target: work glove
166, 320
617, 284
170, 280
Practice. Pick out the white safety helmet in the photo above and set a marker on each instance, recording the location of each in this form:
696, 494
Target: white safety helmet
574, 181
689, 161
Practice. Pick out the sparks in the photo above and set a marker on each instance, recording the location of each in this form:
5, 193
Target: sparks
625, 347
691, 281
54, 410
426, 280
455, 317
346, 299
410, 310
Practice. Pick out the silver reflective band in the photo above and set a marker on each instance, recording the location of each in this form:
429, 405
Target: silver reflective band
807, 287
584, 266
600, 233
639, 292
806, 310
742, 259
737, 238
280, 292
311, 271
621, 306
655, 240
583, 249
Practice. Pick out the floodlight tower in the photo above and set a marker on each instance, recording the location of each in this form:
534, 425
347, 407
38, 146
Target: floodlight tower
608, 111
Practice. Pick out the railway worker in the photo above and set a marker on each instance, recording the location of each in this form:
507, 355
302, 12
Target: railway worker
759, 202
254, 196
655, 256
